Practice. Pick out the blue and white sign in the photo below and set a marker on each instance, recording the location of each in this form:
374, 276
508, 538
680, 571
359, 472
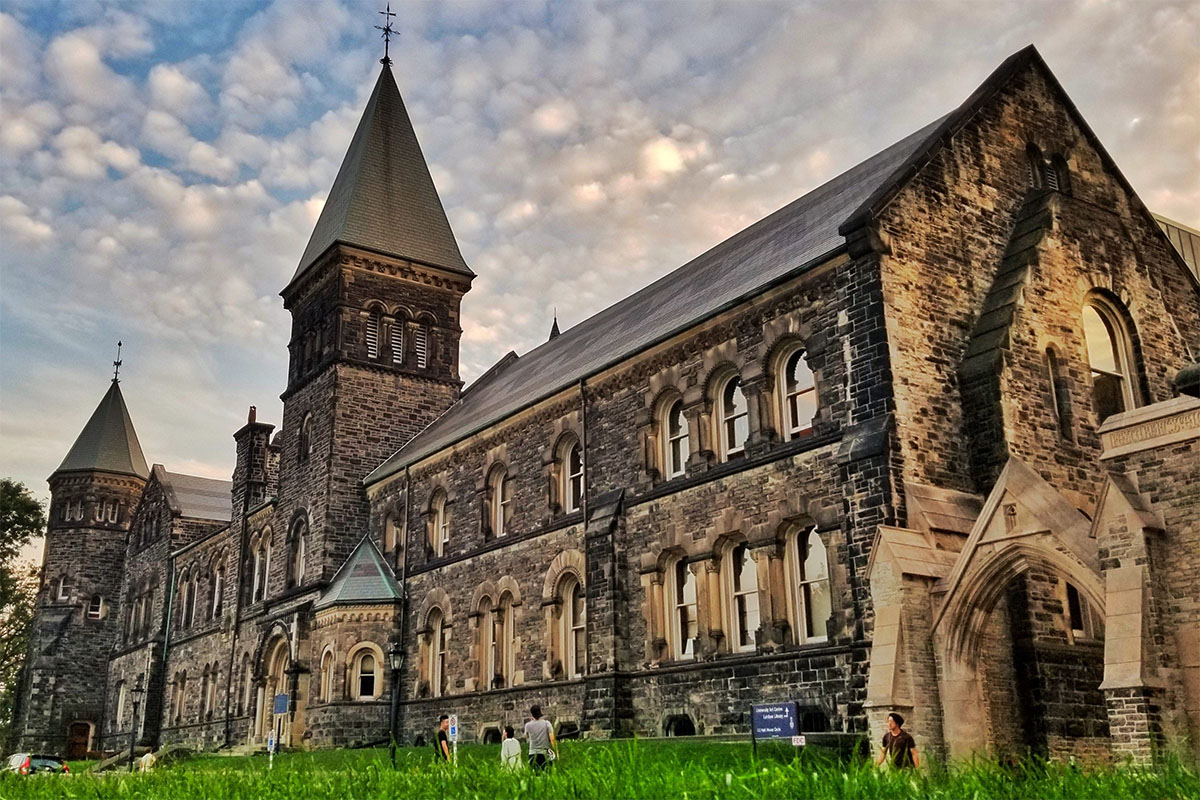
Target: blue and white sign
281, 704
454, 727
776, 721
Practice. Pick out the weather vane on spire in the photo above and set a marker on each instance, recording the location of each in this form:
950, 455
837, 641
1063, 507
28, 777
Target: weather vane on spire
117, 364
386, 27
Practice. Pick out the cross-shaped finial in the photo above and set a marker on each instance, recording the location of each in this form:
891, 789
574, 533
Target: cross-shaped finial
117, 364
386, 27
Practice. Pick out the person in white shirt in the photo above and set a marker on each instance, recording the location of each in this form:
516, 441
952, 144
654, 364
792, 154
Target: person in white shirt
510, 749
542, 747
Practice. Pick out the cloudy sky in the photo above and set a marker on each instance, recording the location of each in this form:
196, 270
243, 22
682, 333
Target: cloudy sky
162, 163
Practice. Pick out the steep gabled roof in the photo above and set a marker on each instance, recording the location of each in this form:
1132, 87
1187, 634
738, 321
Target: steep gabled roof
383, 198
108, 442
364, 579
197, 498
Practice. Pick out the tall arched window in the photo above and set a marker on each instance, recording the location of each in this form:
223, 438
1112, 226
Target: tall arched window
571, 464
185, 599
811, 599
681, 609
119, 717
218, 588
327, 675
744, 616
797, 396
499, 500
439, 523
1035, 166
1109, 358
573, 634
734, 419
261, 565
306, 437
243, 699
372, 334
673, 433
297, 546
437, 652
486, 643
95, 609
505, 643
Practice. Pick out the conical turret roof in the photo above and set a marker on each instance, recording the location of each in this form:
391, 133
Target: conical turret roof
108, 442
365, 579
383, 198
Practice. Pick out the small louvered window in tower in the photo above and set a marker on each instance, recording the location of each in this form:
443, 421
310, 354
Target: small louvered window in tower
397, 342
372, 335
1052, 177
421, 346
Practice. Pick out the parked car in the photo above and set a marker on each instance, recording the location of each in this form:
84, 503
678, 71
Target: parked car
36, 763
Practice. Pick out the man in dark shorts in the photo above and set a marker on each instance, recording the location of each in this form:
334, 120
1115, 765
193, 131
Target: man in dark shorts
899, 749
443, 738
540, 733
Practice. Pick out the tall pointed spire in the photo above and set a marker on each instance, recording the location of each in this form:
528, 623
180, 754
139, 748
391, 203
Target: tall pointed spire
108, 442
383, 198
554, 332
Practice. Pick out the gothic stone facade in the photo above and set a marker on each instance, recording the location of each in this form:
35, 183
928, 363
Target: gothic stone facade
965, 514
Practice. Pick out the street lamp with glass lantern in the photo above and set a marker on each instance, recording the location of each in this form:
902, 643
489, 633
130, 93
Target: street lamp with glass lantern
396, 663
137, 692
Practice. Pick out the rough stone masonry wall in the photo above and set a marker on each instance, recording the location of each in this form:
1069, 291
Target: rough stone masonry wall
947, 232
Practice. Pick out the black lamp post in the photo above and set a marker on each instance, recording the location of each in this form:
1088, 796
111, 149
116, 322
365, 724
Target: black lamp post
137, 693
396, 663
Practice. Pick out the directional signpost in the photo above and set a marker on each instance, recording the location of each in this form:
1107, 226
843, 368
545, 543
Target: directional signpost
279, 709
454, 736
775, 721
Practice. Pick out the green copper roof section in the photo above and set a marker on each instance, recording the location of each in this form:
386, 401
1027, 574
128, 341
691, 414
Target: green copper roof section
364, 579
108, 442
383, 198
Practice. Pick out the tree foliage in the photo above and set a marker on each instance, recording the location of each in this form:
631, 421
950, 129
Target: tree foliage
21, 518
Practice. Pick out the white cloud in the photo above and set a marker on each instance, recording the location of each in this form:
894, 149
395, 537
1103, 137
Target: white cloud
173, 91
17, 219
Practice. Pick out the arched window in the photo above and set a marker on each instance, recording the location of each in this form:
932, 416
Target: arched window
1109, 358
95, 609
62, 589
574, 627
439, 523
218, 588
505, 643
734, 419
810, 580
1058, 176
744, 616
571, 480
327, 676
681, 609
1084, 623
499, 500
437, 652
365, 675
306, 437
1035, 166
205, 682
390, 533
262, 566
297, 546
180, 695
185, 599
1060, 395
246, 702
797, 396
487, 643
421, 346
396, 340
673, 433
372, 334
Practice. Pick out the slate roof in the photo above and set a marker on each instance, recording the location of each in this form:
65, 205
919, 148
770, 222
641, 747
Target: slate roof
800, 235
108, 442
383, 198
364, 579
198, 498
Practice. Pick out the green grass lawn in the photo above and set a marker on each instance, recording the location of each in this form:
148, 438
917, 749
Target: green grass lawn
622, 769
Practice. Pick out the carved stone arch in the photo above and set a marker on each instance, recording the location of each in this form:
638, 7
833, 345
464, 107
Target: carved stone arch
669, 378
508, 583
402, 312
776, 345
567, 562
436, 597
372, 305
716, 376
277, 630
425, 318
486, 590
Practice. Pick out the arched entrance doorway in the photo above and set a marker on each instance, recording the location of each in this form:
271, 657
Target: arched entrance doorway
277, 671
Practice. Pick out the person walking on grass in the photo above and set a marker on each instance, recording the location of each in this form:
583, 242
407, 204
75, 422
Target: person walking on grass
542, 747
899, 749
510, 749
443, 739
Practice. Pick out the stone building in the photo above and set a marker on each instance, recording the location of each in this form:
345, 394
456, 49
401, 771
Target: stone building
921, 440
